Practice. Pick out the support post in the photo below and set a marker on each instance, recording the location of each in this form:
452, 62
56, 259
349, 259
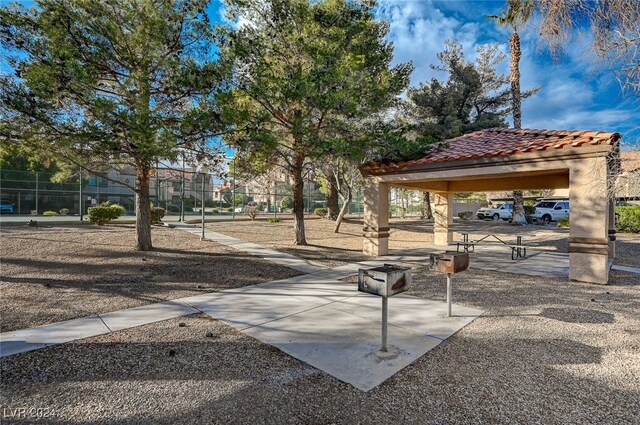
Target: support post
442, 218
385, 306
589, 231
376, 217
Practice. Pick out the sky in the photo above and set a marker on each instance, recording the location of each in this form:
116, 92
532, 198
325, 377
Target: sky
576, 93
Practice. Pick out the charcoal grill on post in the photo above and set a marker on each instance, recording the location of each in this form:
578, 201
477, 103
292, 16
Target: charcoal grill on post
450, 262
385, 281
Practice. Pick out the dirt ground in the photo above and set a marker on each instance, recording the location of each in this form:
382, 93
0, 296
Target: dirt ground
57, 273
545, 351
335, 249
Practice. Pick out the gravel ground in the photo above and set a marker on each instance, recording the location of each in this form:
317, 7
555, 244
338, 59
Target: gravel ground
335, 249
57, 273
545, 351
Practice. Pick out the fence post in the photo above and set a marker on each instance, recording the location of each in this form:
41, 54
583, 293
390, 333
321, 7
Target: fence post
233, 190
309, 197
37, 193
80, 201
182, 194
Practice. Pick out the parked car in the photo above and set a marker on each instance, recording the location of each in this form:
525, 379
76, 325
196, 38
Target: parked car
550, 210
239, 210
503, 211
6, 207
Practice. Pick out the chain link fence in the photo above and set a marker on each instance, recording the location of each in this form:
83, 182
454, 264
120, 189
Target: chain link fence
180, 192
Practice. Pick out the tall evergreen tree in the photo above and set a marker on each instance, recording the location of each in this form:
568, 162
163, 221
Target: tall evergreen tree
307, 73
474, 96
113, 83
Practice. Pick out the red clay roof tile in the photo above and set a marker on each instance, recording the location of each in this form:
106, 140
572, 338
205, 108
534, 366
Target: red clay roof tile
495, 142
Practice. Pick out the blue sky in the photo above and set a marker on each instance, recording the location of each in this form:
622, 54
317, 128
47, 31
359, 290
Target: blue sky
576, 93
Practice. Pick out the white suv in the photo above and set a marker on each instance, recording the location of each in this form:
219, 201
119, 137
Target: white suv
504, 211
550, 210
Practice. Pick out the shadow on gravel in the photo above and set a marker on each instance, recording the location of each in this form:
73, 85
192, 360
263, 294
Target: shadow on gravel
577, 315
185, 377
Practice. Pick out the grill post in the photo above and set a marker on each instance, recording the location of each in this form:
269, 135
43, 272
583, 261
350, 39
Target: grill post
384, 324
449, 294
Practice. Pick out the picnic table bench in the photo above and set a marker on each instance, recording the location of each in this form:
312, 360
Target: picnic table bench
518, 250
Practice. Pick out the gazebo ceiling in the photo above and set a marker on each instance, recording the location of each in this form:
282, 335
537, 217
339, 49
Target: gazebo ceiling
496, 143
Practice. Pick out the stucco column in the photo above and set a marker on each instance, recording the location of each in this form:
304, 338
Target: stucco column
376, 217
589, 230
442, 218
612, 228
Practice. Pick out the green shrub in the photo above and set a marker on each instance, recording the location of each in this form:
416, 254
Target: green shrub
173, 208
321, 212
157, 215
286, 202
49, 213
105, 212
64, 211
564, 222
466, 215
274, 220
628, 219
529, 209
216, 210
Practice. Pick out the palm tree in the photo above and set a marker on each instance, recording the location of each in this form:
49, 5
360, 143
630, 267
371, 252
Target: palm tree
515, 17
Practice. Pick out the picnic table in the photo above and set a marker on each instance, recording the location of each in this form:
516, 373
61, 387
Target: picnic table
518, 250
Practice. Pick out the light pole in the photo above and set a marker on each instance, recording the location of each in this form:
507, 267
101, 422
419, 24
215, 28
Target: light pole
204, 170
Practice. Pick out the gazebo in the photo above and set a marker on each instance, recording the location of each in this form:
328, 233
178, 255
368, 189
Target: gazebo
500, 159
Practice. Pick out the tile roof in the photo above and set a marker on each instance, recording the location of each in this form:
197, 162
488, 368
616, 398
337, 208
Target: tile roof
496, 142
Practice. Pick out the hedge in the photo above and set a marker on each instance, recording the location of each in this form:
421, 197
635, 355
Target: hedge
628, 219
321, 212
105, 212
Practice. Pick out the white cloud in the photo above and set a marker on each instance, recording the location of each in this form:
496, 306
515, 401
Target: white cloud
418, 31
575, 94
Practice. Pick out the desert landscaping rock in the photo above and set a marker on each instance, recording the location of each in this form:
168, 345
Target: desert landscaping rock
541, 353
59, 273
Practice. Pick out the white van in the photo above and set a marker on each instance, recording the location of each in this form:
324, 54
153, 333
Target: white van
549, 210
